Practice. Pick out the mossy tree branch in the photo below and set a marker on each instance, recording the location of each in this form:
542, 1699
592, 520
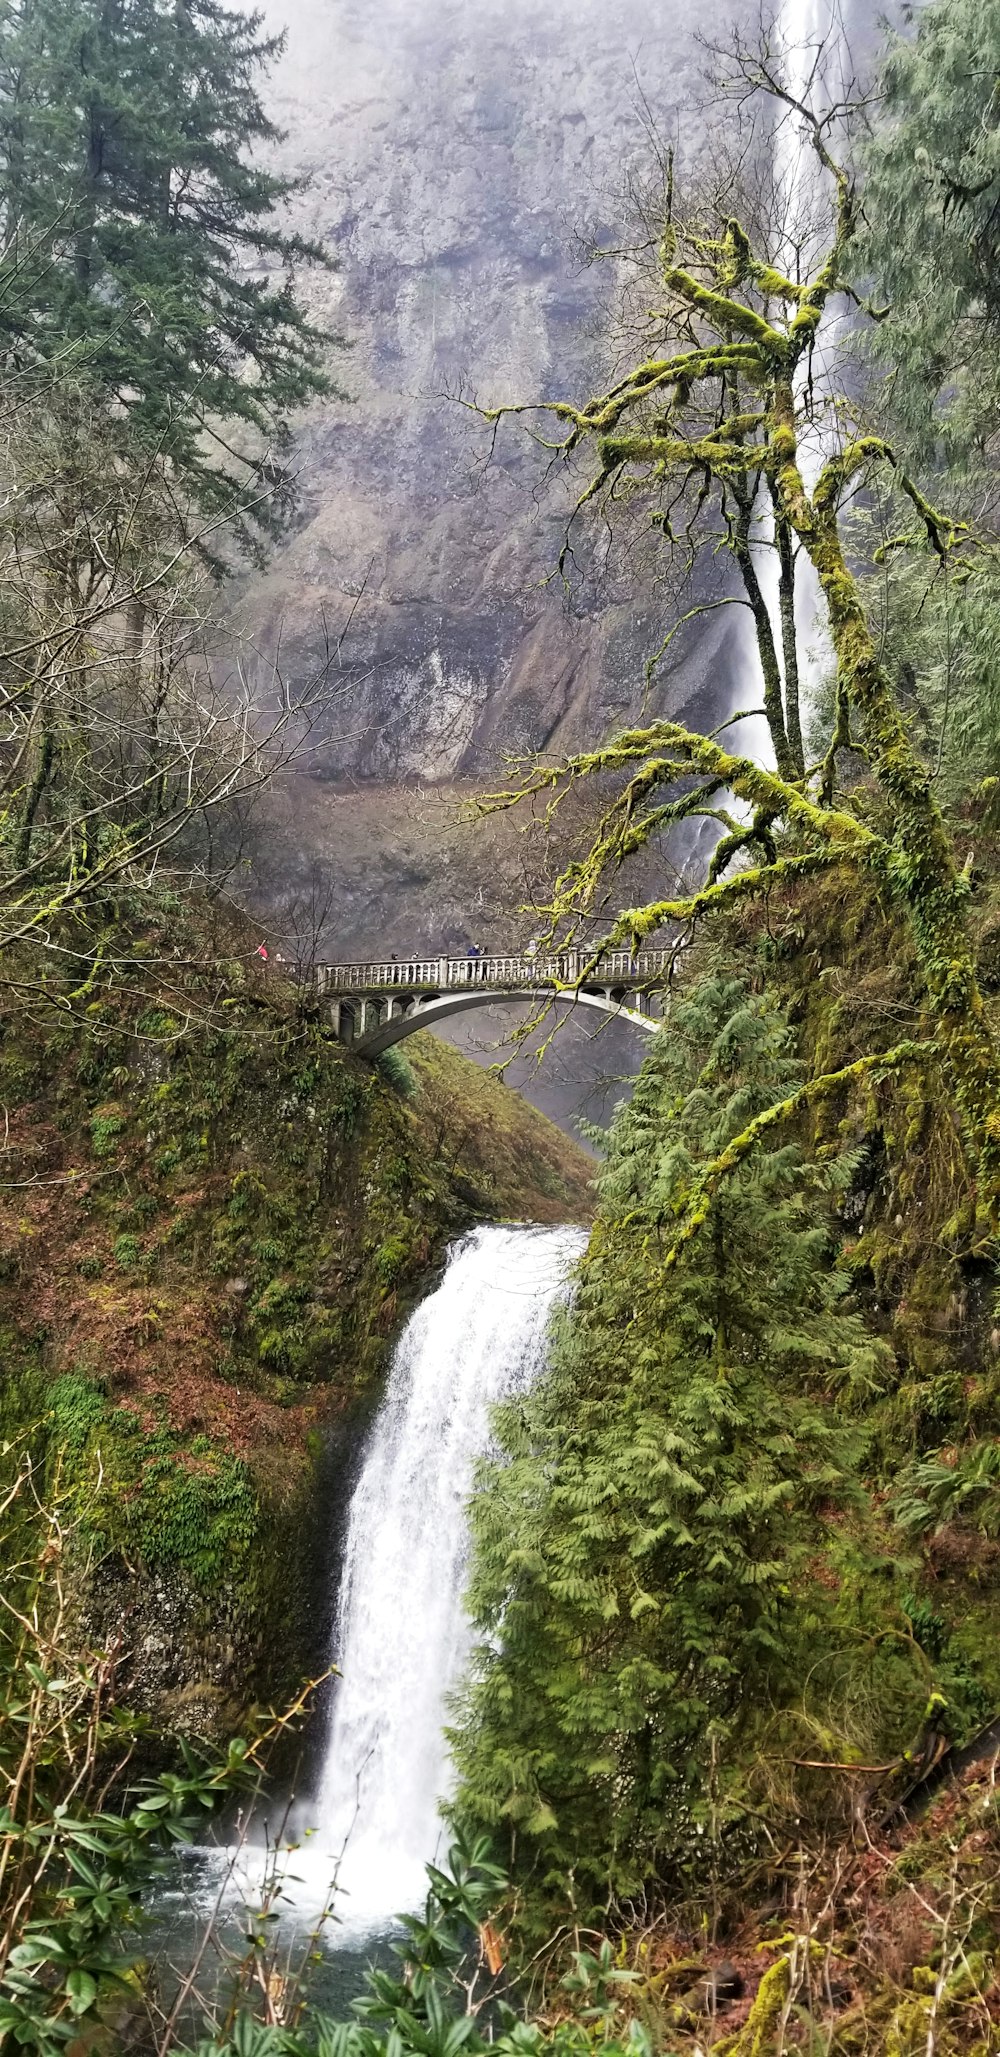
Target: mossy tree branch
664, 753
747, 330
878, 1065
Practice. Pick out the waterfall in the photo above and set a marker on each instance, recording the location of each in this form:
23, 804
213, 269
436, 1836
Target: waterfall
814, 51
815, 59
402, 1636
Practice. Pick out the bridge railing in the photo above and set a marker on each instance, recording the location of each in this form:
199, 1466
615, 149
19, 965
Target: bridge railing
531, 968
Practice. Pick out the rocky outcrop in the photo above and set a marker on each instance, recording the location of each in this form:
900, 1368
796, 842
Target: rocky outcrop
459, 156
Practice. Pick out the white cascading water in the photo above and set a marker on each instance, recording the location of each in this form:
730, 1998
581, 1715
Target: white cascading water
402, 1635
812, 41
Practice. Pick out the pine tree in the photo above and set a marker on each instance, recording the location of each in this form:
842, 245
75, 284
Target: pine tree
127, 133
932, 214
646, 1545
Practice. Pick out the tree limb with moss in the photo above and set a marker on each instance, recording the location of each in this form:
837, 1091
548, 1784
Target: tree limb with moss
727, 398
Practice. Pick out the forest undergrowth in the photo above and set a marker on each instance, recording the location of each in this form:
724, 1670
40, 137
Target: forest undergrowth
736, 1564
726, 1757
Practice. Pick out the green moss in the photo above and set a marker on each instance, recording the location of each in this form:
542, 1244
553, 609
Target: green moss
390, 1259
156, 1024
972, 1641
399, 1073
22, 1393
145, 1491
76, 1409
195, 1508
107, 1124
267, 1251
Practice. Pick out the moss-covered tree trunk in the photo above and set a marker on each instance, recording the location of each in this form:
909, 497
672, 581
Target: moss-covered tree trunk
922, 873
714, 410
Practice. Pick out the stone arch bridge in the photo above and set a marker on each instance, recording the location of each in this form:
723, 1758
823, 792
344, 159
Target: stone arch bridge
375, 1005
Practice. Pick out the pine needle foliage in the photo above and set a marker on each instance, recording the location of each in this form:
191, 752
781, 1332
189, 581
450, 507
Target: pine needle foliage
649, 1540
132, 140
932, 222
929, 250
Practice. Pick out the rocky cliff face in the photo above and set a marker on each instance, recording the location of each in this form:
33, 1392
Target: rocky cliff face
457, 154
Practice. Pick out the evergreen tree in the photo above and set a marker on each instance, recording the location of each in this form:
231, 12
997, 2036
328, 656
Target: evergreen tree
127, 133
652, 1545
930, 254
932, 209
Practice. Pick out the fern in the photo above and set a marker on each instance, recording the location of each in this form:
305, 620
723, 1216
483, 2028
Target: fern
649, 1543
963, 1487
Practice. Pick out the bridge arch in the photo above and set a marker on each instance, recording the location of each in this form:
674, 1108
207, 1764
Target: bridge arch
424, 1013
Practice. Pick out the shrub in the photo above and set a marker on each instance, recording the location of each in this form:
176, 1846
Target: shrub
398, 1072
390, 1259
105, 1127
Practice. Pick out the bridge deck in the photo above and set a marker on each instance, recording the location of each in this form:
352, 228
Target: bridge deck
451, 974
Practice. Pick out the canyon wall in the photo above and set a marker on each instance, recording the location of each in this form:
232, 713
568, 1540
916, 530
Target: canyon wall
460, 161
459, 157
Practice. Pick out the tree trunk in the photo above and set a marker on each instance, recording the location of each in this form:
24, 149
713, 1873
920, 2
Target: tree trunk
773, 708
44, 762
789, 638
922, 875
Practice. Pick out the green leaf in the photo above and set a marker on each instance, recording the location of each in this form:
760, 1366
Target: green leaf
82, 1990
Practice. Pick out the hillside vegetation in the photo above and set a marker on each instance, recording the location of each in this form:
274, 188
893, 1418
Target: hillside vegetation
736, 1564
727, 1752
212, 1224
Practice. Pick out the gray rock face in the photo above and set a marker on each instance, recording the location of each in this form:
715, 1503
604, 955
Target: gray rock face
456, 154
459, 154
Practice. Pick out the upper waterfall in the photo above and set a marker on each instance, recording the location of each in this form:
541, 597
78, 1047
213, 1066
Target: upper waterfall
402, 1636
